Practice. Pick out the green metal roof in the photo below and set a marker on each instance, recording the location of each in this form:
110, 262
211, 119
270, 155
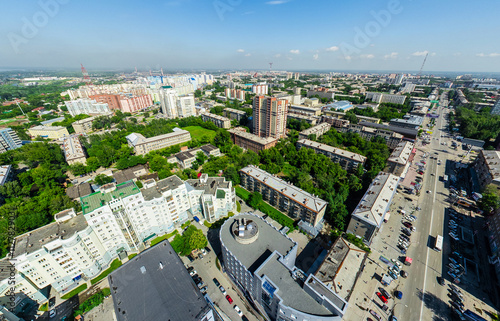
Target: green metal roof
96, 200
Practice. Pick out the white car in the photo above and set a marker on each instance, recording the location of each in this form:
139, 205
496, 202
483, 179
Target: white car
193, 273
238, 310
203, 252
52, 313
222, 290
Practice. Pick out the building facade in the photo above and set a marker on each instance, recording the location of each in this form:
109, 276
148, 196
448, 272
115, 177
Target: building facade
9, 140
143, 145
386, 98
84, 126
317, 130
251, 142
346, 159
125, 103
174, 105
400, 160
261, 261
269, 116
73, 150
219, 121
487, 166
51, 132
86, 106
260, 89
295, 202
234, 114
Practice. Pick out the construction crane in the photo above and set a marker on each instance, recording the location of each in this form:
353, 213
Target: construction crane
270, 66
255, 75
421, 68
85, 74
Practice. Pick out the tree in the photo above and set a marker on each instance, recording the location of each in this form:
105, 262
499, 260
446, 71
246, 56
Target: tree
102, 179
197, 240
78, 169
92, 164
222, 140
255, 199
490, 201
11, 189
201, 157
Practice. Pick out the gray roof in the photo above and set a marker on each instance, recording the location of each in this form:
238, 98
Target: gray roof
334, 150
208, 148
254, 254
401, 153
127, 174
77, 191
5, 267
409, 132
143, 290
36, 239
291, 290
209, 186
166, 184
182, 156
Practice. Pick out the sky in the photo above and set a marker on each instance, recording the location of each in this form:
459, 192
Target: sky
242, 34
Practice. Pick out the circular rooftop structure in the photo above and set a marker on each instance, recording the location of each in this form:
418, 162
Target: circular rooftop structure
244, 231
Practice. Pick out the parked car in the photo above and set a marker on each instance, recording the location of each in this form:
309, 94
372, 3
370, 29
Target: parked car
204, 289
222, 290
407, 224
200, 256
193, 273
396, 262
52, 313
216, 282
238, 310
375, 314
228, 298
208, 249
440, 280
200, 285
392, 274
404, 274
398, 294
384, 293
190, 258
203, 252
382, 297
189, 269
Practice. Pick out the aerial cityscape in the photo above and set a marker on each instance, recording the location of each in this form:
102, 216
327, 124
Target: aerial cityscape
275, 160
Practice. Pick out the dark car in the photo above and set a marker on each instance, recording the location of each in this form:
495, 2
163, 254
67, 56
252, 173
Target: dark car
265, 216
190, 258
440, 280
190, 269
407, 224
200, 256
404, 274
208, 249
216, 282
52, 302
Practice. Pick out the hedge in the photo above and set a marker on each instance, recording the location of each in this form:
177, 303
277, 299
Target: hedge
74, 292
113, 266
163, 237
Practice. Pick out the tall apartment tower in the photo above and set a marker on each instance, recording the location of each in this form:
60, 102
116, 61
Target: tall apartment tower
9, 140
269, 116
175, 106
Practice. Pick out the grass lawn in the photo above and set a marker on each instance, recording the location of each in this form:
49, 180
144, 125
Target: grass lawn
131, 256
243, 193
197, 132
114, 265
75, 291
163, 237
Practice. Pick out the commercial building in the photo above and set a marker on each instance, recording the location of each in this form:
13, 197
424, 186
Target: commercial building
342, 105
84, 126
400, 160
155, 285
346, 159
369, 214
385, 98
269, 116
87, 106
260, 89
251, 142
487, 166
234, 114
174, 105
261, 261
125, 103
73, 150
295, 202
51, 132
219, 121
9, 140
143, 145
317, 130
409, 121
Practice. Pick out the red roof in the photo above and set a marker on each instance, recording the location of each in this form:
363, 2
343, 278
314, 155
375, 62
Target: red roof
408, 259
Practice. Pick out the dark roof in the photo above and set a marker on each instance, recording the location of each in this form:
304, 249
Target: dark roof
78, 191
208, 148
184, 156
142, 290
169, 183
407, 132
127, 174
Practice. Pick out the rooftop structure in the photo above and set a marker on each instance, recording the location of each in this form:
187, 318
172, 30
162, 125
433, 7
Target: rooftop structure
155, 285
77, 191
51, 132
108, 192
409, 121
73, 150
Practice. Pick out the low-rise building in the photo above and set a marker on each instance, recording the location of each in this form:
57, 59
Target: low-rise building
317, 130
369, 214
9, 140
234, 114
304, 110
219, 121
73, 150
130, 174
487, 166
321, 92
313, 120
143, 145
343, 105
400, 160
409, 121
6, 174
295, 202
261, 261
84, 126
346, 159
251, 142
186, 158
51, 132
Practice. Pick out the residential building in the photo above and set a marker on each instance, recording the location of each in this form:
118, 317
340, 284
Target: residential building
407, 88
313, 120
219, 121
408, 133
251, 142
22, 285
321, 92
369, 214
304, 110
341, 267
6, 174
385, 98
260, 89
261, 261
125, 103
342, 115
76, 191
84, 126
234, 114
317, 130
155, 285
174, 105
400, 160
73, 150
296, 203
185, 159
131, 174
409, 121
143, 145
9, 140
269, 116
235, 93
335, 122
487, 166
399, 79
346, 159
87, 106
51, 132
496, 108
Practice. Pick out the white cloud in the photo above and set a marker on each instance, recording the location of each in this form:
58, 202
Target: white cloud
248, 55
315, 56
277, 56
333, 48
433, 54
240, 50
457, 54
295, 51
368, 56
493, 54
392, 55
420, 53
347, 58
275, 2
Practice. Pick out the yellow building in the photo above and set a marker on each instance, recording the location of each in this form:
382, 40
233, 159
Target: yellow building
51, 132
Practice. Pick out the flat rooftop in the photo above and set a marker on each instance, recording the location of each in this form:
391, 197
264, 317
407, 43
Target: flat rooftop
95, 200
254, 254
290, 290
300, 196
401, 153
236, 111
209, 185
138, 139
73, 149
252, 137
317, 128
334, 150
36, 239
155, 285
166, 184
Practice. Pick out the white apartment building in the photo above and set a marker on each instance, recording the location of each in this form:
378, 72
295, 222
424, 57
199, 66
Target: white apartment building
143, 145
174, 105
260, 89
86, 106
386, 98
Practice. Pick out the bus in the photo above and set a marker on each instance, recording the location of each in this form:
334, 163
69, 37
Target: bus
445, 178
438, 246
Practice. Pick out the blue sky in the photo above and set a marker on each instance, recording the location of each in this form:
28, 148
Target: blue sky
314, 34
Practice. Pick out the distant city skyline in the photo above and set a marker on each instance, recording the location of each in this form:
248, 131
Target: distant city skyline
223, 34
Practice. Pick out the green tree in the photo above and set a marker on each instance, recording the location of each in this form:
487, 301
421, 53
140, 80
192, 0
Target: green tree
197, 240
102, 179
92, 164
78, 169
255, 199
201, 157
